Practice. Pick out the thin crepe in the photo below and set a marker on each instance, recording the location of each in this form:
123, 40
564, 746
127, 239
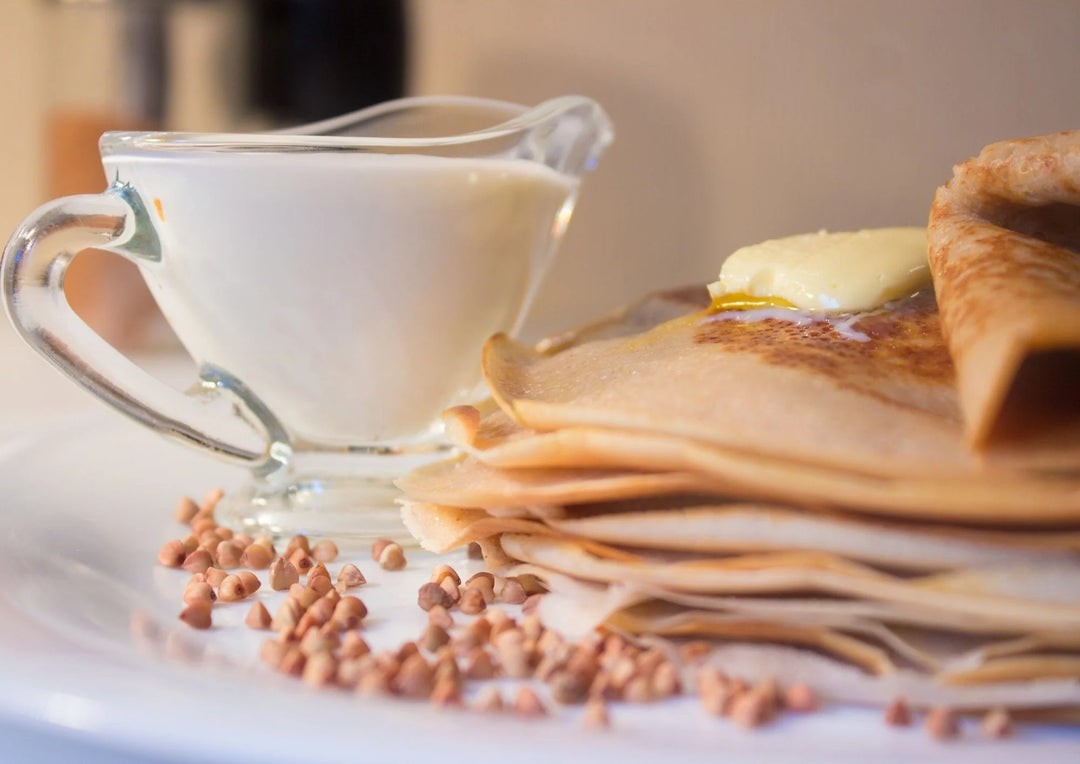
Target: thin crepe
440, 528
467, 482
575, 607
1028, 610
1006, 498
1010, 597
1004, 247
772, 390
643, 620
769, 387
871, 646
740, 527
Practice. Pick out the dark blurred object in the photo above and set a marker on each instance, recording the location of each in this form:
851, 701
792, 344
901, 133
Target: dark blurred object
314, 59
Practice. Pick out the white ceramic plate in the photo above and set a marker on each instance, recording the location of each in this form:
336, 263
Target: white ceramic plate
84, 510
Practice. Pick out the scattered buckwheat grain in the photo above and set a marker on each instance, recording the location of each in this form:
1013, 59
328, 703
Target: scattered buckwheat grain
258, 617
595, 715
196, 615
897, 713
512, 592
198, 591
324, 551
941, 723
439, 572
527, 703
232, 589
256, 556
997, 724
800, 698
392, 557
186, 509
377, 547
432, 594
214, 576
172, 554
198, 561
283, 574
350, 576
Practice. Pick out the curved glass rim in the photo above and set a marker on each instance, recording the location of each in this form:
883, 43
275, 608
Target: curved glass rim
310, 137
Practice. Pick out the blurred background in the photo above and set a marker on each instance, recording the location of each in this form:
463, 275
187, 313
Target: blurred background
736, 120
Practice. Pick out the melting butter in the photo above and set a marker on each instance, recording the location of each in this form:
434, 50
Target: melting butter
825, 272
744, 301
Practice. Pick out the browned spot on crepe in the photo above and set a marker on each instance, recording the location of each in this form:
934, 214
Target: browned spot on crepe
905, 344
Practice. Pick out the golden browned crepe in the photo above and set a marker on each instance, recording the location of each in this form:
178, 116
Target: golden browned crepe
772, 387
1004, 246
886, 406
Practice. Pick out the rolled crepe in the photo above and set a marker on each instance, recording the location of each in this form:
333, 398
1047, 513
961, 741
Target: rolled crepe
1004, 247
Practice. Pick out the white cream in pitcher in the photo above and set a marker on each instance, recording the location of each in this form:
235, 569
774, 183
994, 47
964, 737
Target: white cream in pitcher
423, 231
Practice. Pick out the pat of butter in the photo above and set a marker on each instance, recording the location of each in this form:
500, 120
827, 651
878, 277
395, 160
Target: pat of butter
828, 272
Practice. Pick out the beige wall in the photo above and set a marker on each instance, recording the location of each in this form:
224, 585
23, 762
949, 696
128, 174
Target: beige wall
21, 161
739, 120
736, 120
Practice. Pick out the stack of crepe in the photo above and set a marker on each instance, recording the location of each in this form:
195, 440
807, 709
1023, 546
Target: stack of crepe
884, 504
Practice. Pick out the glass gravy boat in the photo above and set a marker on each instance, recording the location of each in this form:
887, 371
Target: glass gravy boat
334, 284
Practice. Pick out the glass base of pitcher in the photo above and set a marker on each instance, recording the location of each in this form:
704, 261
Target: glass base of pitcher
352, 502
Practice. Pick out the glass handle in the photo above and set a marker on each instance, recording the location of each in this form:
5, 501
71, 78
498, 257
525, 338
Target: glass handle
32, 270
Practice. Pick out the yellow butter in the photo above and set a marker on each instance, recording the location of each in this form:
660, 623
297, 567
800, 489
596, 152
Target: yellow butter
828, 272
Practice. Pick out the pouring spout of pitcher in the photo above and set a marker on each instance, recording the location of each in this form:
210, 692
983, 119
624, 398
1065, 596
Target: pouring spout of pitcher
568, 134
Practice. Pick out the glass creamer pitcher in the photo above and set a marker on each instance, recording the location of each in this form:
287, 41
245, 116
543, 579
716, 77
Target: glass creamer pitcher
333, 283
